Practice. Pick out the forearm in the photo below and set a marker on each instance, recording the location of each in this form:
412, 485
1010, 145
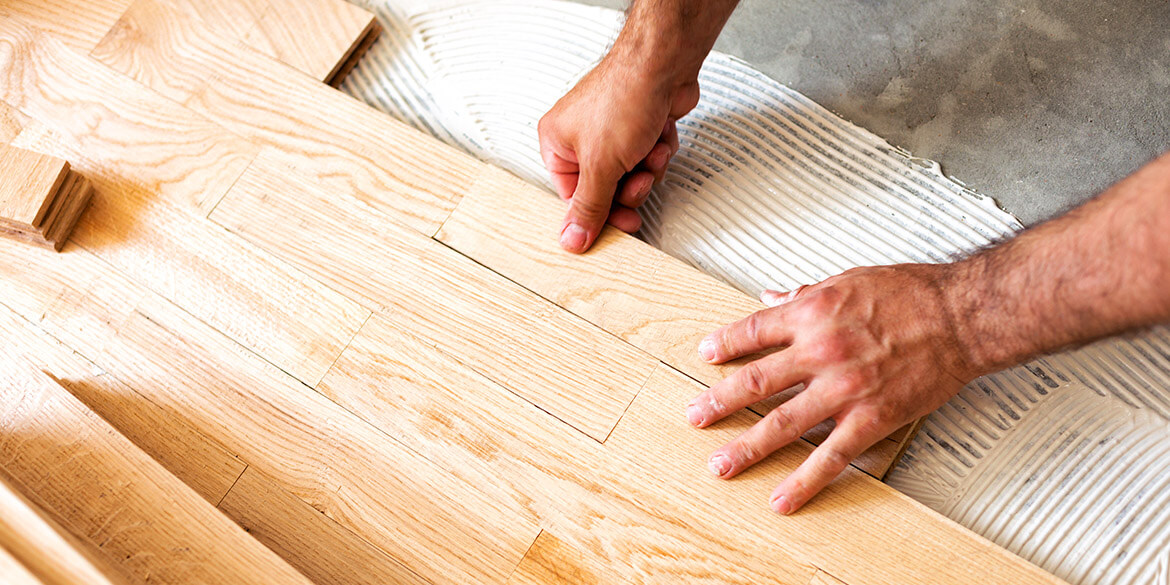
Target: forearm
1101, 269
669, 39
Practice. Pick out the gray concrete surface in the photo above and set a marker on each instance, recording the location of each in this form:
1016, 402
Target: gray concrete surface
1040, 105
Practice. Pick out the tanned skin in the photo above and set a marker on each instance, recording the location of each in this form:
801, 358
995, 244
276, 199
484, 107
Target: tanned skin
875, 347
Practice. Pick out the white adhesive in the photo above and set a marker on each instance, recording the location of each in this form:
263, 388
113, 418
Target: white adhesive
1059, 460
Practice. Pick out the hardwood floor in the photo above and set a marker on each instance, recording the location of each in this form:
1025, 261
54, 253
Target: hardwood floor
293, 340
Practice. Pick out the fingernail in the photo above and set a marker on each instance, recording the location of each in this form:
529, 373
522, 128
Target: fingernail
707, 349
719, 464
771, 298
573, 237
694, 415
781, 505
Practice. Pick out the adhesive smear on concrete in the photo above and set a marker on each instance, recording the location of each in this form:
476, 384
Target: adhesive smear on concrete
1063, 460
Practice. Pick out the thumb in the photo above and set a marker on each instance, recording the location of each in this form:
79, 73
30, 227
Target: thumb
588, 209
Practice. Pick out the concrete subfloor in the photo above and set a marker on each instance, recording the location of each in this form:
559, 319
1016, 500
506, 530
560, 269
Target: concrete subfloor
1040, 105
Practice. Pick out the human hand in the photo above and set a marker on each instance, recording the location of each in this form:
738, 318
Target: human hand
875, 348
607, 142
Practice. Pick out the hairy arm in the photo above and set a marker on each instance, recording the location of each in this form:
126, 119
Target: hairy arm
879, 347
608, 140
1101, 269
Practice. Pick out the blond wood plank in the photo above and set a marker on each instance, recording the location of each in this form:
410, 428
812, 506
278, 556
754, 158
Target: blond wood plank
204, 465
36, 543
80, 25
561, 363
315, 37
147, 198
857, 529
349, 147
232, 19
11, 123
28, 184
551, 560
77, 194
320, 548
13, 572
823, 578
618, 519
623, 285
434, 523
114, 496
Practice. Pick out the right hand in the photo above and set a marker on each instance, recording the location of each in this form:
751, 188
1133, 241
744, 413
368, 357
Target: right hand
607, 142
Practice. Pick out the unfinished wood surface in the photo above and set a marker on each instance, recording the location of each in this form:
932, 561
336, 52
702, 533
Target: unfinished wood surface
28, 184
551, 560
156, 168
318, 546
858, 530
430, 520
114, 496
15, 573
480, 431
47, 552
566, 366
823, 578
11, 123
316, 37
367, 157
80, 25
204, 465
623, 285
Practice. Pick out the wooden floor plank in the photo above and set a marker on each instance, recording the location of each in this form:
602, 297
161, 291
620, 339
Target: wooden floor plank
316, 545
347, 146
316, 37
561, 363
858, 529
42, 551
114, 496
439, 526
623, 285
155, 168
201, 463
479, 431
80, 25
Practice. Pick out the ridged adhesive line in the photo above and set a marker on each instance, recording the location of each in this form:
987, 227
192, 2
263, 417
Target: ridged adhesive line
1059, 459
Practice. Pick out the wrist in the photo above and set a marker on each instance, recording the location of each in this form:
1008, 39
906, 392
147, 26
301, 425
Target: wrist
972, 305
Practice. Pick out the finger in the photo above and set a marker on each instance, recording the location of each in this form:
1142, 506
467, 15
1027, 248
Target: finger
853, 435
759, 331
635, 189
588, 209
748, 385
564, 183
775, 298
625, 219
783, 425
670, 136
656, 161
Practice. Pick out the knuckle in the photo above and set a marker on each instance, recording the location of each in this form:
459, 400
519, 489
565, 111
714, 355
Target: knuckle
829, 349
780, 424
832, 460
754, 381
753, 328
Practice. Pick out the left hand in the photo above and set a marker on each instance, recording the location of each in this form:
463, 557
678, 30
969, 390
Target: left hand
875, 348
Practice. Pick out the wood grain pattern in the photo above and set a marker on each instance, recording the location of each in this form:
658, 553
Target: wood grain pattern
823, 578
623, 285
203, 464
561, 363
15, 573
250, 93
28, 184
550, 560
429, 520
616, 516
316, 545
147, 202
45, 551
898, 541
114, 496
316, 37
11, 123
80, 25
